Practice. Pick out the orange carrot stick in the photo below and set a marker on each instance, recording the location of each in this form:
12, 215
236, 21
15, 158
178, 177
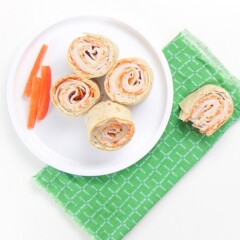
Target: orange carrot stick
44, 98
34, 71
34, 98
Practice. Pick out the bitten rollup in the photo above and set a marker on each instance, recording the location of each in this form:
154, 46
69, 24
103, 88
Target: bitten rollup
109, 125
129, 82
92, 55
74, 95
208, 108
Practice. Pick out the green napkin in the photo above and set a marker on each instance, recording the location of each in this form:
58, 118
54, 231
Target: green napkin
107, 207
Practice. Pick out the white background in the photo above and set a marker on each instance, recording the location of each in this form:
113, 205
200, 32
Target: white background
203, 205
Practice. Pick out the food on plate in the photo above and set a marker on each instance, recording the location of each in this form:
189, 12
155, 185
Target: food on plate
109, 125
44, 98
34, 99
92, 55
74, 95
34, 70
208, 108
129, 82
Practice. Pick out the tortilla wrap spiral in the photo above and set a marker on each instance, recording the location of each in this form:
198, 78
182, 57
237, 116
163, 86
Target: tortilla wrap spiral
129, 82
92, 55
74, 95
109, 125
208, 108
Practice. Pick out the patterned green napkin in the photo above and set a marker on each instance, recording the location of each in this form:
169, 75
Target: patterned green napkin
107, 207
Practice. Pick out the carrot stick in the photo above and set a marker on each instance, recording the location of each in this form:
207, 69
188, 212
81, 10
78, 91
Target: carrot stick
34, 98
44, 98
34, 71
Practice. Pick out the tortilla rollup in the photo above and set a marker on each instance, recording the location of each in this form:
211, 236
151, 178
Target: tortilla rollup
74, 95
129, 82
109, 125
92, 55
208, 108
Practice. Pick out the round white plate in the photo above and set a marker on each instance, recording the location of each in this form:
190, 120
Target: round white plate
61, 141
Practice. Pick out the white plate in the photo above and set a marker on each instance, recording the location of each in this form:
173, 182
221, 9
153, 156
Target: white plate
61, 141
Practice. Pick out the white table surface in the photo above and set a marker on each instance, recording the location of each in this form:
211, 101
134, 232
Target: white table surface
203, 205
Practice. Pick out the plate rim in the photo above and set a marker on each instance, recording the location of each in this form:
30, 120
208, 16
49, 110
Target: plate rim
113, 168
